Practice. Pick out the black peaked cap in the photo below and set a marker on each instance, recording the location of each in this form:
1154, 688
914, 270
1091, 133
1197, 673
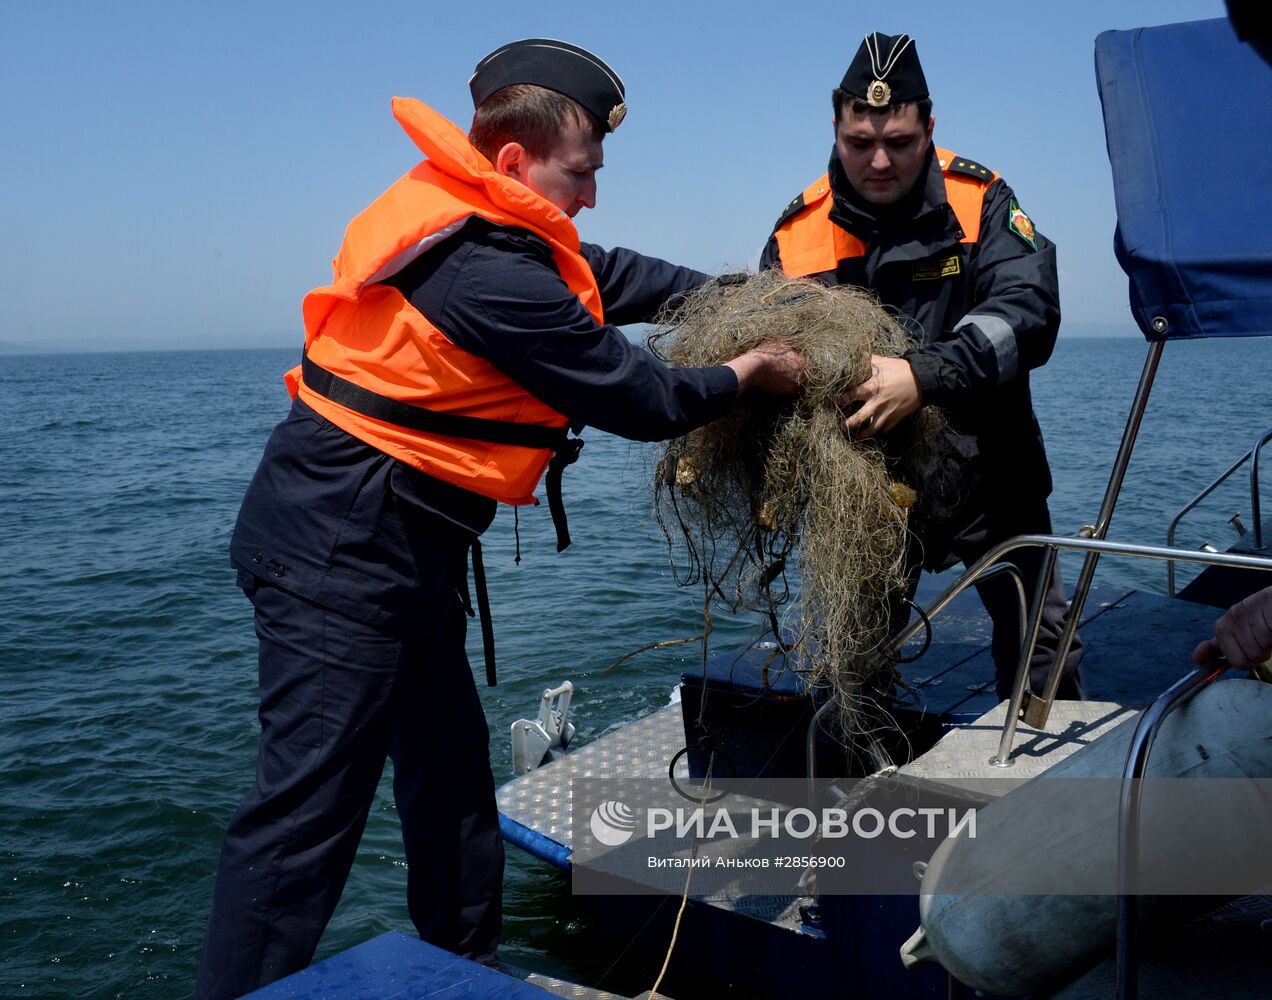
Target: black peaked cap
886, 71
559, 66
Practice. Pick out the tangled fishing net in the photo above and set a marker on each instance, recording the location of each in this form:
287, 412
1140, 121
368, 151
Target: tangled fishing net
777, 480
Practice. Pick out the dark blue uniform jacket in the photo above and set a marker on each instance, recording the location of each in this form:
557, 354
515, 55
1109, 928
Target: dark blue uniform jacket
982, 324
338, 522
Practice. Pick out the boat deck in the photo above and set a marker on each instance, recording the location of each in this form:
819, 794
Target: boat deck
746, 935
956, 675
953, 682
397, 965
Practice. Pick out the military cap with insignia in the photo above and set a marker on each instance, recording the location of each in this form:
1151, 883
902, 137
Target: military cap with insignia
886, 71
559, 66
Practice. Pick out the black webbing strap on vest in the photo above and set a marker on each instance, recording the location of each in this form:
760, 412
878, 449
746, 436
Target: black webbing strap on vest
417, 418
566, 454
565, 451
483, 610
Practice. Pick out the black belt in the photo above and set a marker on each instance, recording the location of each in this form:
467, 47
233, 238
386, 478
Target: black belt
565, 451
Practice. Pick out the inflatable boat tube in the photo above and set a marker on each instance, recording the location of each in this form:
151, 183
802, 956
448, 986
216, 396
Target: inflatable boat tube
1030, 901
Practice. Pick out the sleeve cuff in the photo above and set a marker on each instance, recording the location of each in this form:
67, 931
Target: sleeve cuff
927, 372
722, 381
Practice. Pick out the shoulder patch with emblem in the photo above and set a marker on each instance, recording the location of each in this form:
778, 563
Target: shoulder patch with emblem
796, 206
969, 168
1020, 224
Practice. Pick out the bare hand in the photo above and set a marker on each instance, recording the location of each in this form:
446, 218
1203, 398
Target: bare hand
1243, 634
772, 367
890, 395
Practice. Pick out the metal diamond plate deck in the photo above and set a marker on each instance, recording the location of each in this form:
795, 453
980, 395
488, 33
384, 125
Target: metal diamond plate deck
542, 799
572, 991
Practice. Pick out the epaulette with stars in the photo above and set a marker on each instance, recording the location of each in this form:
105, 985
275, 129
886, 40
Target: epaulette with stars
796, 206
968, 168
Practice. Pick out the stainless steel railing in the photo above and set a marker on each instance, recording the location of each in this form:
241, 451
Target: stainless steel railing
1251, 456
894, 647
1026, 704
1128, 824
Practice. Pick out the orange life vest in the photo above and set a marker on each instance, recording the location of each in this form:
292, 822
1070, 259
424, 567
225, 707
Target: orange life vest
810, 243
376, 346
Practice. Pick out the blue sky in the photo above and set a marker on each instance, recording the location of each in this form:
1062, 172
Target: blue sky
179, 174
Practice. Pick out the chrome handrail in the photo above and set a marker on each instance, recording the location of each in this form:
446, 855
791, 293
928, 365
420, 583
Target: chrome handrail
810, 735
1170, 530
1099, 530
1128, 825
1255, 512
1260, 441
1035, 708
1028, 640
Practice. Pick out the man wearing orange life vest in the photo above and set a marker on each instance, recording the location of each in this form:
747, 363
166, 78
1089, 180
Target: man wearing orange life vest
943, 241
465, 331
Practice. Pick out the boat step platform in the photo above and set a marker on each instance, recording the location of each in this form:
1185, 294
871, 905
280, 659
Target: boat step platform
964, 753
398, 966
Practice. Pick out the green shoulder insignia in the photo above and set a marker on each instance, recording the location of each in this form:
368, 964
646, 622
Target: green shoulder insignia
969, 168
1020, 224
796, 205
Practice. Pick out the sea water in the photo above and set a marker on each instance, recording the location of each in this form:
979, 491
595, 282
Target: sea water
127, 657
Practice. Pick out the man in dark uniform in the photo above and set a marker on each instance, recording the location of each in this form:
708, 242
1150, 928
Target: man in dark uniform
944, 241
462, 333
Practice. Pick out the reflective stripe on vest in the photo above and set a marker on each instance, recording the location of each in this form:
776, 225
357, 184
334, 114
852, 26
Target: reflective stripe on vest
368, 335
810, 243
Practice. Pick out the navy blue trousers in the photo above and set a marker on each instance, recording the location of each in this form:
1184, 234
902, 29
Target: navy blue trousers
1002, 601
337, 698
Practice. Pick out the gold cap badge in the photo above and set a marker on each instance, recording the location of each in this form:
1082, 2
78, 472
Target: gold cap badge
878, 94
617, 113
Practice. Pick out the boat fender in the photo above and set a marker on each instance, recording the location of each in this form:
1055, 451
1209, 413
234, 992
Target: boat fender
989, 934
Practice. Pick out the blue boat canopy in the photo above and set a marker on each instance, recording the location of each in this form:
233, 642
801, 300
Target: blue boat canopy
1187, 125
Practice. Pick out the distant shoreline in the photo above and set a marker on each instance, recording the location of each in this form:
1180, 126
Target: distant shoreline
25, 350
1076, 331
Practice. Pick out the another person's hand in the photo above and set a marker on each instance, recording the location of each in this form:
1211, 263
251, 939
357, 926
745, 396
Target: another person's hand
772, 367
890, 395
1243, 634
